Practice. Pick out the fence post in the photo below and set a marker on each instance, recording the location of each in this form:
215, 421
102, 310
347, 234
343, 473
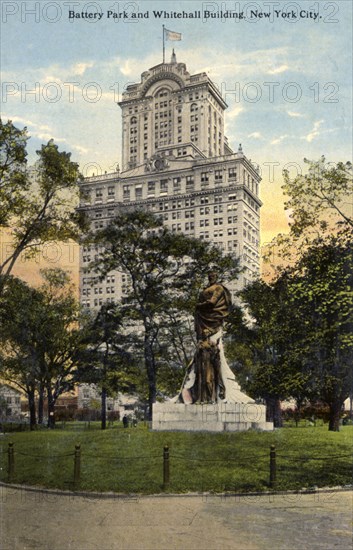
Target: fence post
11, 461
272, 466
165, 467
77, 465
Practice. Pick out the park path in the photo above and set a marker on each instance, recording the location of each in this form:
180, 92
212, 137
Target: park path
32, 520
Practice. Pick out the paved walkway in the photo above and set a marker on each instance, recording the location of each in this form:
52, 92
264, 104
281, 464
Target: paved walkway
33, 520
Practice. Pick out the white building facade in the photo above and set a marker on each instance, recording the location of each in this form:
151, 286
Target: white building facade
177, 164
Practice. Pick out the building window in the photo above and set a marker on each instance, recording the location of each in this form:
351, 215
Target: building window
176, 184
204, 177
232, 173
164, 186
218, 175
126, 192
204, 210
190, 182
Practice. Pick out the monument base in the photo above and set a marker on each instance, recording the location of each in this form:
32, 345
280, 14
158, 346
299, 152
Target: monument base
217, 417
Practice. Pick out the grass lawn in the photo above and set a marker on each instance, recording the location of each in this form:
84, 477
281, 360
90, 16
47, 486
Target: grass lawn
131, 460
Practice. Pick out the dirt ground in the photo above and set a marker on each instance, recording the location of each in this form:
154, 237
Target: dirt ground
43, 521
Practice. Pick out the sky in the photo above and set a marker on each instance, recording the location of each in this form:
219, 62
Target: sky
284, 69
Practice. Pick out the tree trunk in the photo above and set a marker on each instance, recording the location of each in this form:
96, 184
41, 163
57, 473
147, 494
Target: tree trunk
41, 404
104, 409
151, 371
51, 411
335, 415
32, 409
274, 412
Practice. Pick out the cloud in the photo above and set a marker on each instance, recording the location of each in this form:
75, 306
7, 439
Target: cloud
80, 149
219, 65
278, 70
295, 114
256, 135
19, 120
35, 128
46, 136
314, 132
81, 67
127, 68
279, 139
235, 111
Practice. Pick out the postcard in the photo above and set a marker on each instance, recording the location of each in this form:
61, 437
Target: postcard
265, 83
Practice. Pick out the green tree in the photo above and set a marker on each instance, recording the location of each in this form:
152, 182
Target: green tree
165, 270
37, 204
302, 333
41, 338
322, 296
316, 255
320, 199
20, 326
175, 347
319, 203
262, 335
61, 338
13, 181
107, 361
261, 340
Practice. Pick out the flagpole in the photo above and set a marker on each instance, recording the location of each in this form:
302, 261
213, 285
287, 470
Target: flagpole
163, 45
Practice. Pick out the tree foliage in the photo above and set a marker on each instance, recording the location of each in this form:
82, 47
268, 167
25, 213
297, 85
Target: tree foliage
322, 295
13, 180
107, 359
315, 259
37, 204
40, 336
301, 333
321, 196
165, 271
319, 203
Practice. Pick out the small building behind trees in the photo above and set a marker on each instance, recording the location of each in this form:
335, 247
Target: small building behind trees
89, 395
10, 403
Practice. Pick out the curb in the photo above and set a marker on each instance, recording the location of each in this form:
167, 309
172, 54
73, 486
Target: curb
137, 496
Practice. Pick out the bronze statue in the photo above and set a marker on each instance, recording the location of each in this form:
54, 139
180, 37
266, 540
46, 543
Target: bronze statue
212, 308
204, 381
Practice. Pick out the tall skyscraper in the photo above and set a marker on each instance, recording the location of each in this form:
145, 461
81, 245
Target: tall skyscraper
176, 163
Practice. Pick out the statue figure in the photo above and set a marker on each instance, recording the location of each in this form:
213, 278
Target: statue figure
212, 308
209, 376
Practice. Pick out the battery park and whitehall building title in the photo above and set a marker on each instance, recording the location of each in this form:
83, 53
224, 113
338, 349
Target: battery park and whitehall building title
176, 163
293, 13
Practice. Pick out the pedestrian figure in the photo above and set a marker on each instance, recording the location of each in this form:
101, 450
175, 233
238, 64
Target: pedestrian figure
125, 421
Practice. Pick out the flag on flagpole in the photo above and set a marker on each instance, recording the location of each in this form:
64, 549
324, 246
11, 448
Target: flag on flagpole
172, 35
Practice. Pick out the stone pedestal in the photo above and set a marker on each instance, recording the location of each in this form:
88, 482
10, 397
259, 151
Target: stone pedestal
218, 417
